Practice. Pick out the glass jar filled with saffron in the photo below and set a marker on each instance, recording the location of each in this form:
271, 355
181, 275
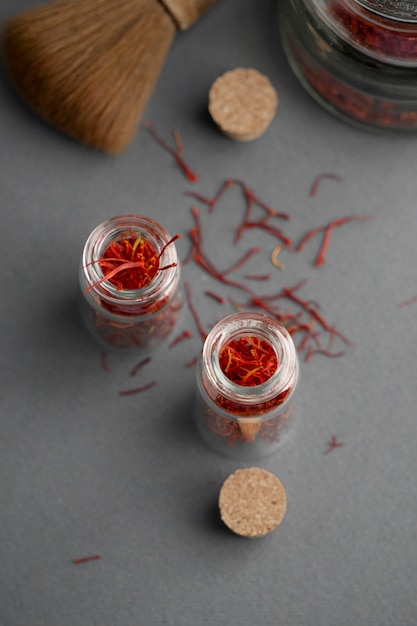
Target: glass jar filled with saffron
246, 378
130, 280
357, 58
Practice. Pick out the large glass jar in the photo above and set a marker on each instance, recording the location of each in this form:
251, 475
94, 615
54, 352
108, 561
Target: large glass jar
246, 378
121, 313
356, 58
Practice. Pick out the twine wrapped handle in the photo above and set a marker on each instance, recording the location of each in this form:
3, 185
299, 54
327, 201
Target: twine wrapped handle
186, 12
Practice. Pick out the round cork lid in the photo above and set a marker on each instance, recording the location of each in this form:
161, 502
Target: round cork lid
252, 502
242, 102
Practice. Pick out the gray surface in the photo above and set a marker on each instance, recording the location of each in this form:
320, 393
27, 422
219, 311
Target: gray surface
85, 471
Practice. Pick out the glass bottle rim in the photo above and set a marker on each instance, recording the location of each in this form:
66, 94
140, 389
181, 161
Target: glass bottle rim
260, 326
112, 230
398, 10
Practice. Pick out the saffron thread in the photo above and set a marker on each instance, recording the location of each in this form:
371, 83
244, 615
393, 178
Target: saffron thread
332, 444
257, 276
215, 296
194, 313
139, 366
326, 176
408, 302
248, 361
104, 363
186, 334
127, 392
85, 559
177, 154
211, 202
328, 230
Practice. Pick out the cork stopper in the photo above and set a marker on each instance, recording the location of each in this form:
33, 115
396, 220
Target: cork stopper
243, 102
186, 12
252, 502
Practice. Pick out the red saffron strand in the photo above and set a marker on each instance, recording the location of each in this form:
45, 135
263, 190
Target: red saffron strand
408, 302
211, 202
289, 293
192, 362
320, 259
168, 243
215, 296
316, 182
139, 366
194, 313
332, 444
127, 392
326, 353
200, 257
252, 198
242, 261
104, 363
186, 334
328, 230
177, 154
257, 276
85, 559
263, 225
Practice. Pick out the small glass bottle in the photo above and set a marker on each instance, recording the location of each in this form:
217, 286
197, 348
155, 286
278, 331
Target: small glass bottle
357, 58
128, 319
246, 421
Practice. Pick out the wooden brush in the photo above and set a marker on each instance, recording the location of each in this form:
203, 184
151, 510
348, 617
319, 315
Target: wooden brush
88, 67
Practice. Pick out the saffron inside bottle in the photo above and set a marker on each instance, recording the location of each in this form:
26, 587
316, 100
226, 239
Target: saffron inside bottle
357, 59
246, 378
130, 280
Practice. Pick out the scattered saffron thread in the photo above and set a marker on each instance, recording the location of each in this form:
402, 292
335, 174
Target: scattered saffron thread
332, 444
104, 363
215, 297
85, 559
139, 366
300, 322
177, 154
316, 182
127, 392
200, 257
257, 276
251, 200
186, 334
328, 230
192, 362
211, 202
241, 261
193, 311
408, 302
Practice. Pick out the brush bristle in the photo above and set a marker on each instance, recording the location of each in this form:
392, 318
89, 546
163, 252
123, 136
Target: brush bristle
88, 67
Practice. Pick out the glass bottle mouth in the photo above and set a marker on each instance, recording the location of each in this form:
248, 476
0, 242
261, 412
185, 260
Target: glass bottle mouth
399, 10
262, 328
363, 31
114, 230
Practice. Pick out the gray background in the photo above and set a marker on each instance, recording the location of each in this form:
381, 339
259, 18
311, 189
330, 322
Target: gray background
84, 470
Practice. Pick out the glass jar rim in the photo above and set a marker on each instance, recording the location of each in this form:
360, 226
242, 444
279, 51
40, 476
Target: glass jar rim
112, 230
261, 326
